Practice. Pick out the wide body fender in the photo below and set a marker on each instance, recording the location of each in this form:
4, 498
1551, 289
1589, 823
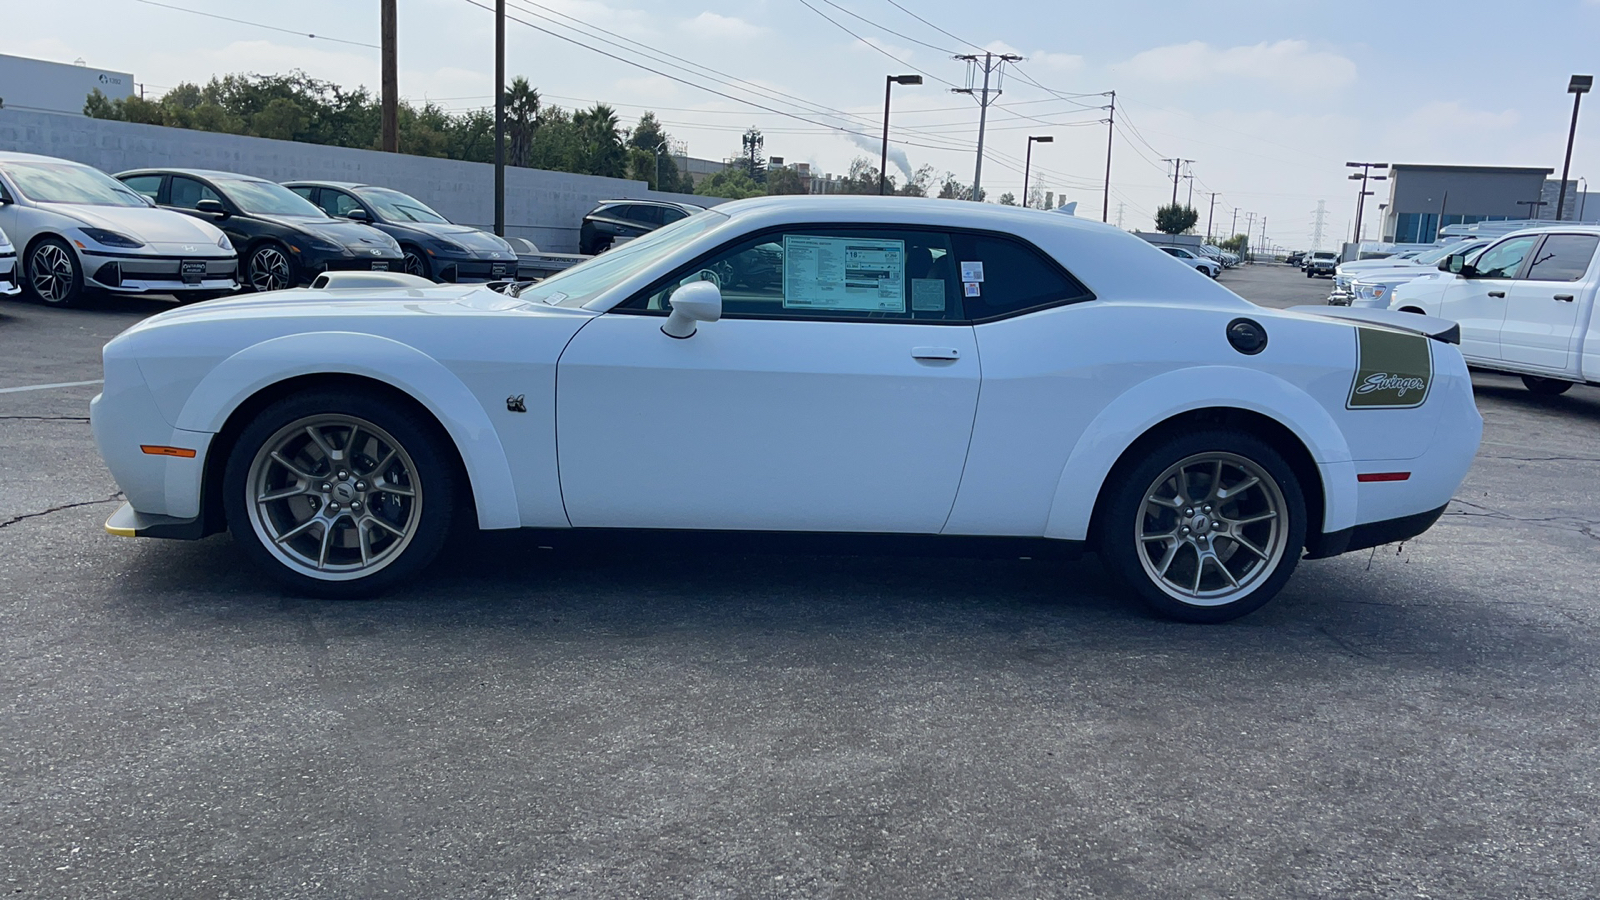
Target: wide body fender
1173, 393
400, 365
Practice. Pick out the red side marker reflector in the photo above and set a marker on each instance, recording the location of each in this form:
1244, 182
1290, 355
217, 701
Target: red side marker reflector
1383, 476
156, 450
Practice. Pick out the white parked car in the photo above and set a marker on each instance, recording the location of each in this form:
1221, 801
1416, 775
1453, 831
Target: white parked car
963, 374
79, 229
9, 284
1370, 286
1199, 261
1526, 305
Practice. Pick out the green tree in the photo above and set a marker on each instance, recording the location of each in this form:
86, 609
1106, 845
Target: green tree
784, 181
1175, 219
601, 141
1239, 244
648, 136
1008, 199
753, 154
281, 119
522, 120
733, 183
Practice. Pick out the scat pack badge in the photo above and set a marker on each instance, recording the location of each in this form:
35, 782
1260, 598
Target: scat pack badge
1393, 370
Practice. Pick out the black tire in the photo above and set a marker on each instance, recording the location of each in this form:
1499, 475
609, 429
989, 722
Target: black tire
1125, 514
269, 266
425, 466
53, 275
1309, 275
1546, 387
415, 262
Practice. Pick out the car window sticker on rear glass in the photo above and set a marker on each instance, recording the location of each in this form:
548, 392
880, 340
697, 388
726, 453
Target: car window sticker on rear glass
972, 271
927, 294
971, 289
864, 274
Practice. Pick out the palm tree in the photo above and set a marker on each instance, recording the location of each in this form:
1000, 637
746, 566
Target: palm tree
522, 119
602, 139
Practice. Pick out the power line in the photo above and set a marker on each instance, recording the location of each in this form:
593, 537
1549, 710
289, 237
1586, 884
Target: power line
933, 26
320, 37
888, 29
863, 40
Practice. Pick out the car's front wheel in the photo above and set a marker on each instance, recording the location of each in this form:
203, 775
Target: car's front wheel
339, 493
269, 268
1205, 527
1547, 387
415, 263
53, 275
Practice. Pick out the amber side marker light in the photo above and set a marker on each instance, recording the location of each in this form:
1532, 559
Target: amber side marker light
157, 450
1383, 476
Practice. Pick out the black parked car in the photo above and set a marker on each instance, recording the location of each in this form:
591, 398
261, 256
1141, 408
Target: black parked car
434, 247
628, 219
283, 240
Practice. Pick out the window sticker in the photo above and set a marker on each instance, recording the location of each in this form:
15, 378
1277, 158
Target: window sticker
971, 289
972, 271
927, 294
844, 273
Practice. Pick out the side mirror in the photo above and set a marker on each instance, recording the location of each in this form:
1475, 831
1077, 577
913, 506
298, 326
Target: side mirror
358, 215
692, 303
212, 207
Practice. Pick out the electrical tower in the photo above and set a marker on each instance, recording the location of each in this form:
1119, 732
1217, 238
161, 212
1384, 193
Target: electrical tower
1120, 206
1318, 222
993, 66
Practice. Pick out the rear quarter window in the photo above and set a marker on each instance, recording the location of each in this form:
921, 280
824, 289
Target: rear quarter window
1016, 277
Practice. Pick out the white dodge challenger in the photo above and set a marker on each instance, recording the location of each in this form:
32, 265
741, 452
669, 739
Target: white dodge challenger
971, 376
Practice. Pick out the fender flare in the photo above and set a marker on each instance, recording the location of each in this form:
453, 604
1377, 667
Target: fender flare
1149, 403
420, 376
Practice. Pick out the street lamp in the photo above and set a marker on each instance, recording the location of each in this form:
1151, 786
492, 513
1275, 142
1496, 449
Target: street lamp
1028, 163
1361, 198
888, 84
1577, 87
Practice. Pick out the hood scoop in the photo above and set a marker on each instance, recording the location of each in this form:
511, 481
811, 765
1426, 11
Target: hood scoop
369, 280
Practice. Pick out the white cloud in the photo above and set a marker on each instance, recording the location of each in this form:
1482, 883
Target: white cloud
1289, 64
1453, 116
1054, 62
709, 24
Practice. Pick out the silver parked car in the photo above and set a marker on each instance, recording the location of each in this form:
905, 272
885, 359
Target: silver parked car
78, 229
8, 268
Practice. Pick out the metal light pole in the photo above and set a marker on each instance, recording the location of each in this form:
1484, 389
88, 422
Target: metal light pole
889, 81
500, 117
1577, 87
1583, 196
1028, 163
1361, 198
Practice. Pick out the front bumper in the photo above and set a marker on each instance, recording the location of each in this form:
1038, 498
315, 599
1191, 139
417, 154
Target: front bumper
127, 273
471, 269
10, 285
129, 522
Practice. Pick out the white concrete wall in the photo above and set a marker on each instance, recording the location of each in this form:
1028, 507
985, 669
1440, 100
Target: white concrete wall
545, 207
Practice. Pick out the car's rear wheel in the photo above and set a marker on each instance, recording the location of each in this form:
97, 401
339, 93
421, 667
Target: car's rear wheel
269, 268
1205, 527
339, 493
1547, 387
53, 275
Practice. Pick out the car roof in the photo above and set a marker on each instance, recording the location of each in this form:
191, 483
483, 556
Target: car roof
649, 201
13, 156
867, 207
308, 182
198, 173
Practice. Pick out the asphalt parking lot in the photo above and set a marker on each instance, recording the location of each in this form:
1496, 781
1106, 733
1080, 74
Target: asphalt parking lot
1415, 721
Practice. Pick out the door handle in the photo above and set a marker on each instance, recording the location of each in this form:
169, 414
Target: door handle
1564, 298
1497, 293
935, 353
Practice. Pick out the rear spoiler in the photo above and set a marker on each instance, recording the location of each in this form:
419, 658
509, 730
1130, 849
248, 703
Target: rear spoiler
1439, 329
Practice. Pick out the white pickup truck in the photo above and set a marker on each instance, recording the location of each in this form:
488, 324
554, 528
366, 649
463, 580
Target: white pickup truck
1525, 304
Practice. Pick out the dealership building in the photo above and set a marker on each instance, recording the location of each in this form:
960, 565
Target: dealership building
40, 86
1424, 199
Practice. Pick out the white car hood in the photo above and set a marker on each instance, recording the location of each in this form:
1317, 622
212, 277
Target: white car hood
152, 226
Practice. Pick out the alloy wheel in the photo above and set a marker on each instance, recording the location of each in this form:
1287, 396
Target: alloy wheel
269, 270
414, 264
334, 497
1212, 527
52, 273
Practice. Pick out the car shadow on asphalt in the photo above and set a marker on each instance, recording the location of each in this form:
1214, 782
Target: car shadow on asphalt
1580, 400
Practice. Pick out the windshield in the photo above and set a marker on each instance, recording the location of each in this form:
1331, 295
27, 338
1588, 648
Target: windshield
66, 183
1323, 254
587, 280
263, 198
400, 207
1438, 253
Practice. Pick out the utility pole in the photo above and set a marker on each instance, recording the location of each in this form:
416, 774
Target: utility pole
1177, 172
1249, 242
1211, 215
1317, 224
1111, 129
1190, 202
500, 117
390, 78
1234, 229
1263, 232
992, 64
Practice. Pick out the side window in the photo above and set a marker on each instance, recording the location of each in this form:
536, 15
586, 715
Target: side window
305, 192
187, 193
1002, 276
1563, 257
643, 214
1505, 258
148, 185
671, 214
879, 274
337, 203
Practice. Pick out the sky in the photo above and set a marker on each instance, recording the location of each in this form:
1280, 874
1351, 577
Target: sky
1269, 98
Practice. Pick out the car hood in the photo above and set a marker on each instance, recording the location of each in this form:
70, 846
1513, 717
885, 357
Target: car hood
153, 226
476, 240
344, 233
1391, 273
1363, 265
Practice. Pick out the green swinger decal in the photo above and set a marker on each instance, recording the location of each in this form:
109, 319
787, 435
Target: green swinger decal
1393, 370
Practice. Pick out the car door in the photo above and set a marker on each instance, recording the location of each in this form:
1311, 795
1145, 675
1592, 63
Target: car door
1541, 318
185, 193
1478, 302
836, 393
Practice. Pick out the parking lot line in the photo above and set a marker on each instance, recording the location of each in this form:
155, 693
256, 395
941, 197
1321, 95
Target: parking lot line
46, 387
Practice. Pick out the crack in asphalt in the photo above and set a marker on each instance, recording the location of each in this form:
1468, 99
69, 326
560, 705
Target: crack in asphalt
1540, 458
55, 509
1564, 523
50, 418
